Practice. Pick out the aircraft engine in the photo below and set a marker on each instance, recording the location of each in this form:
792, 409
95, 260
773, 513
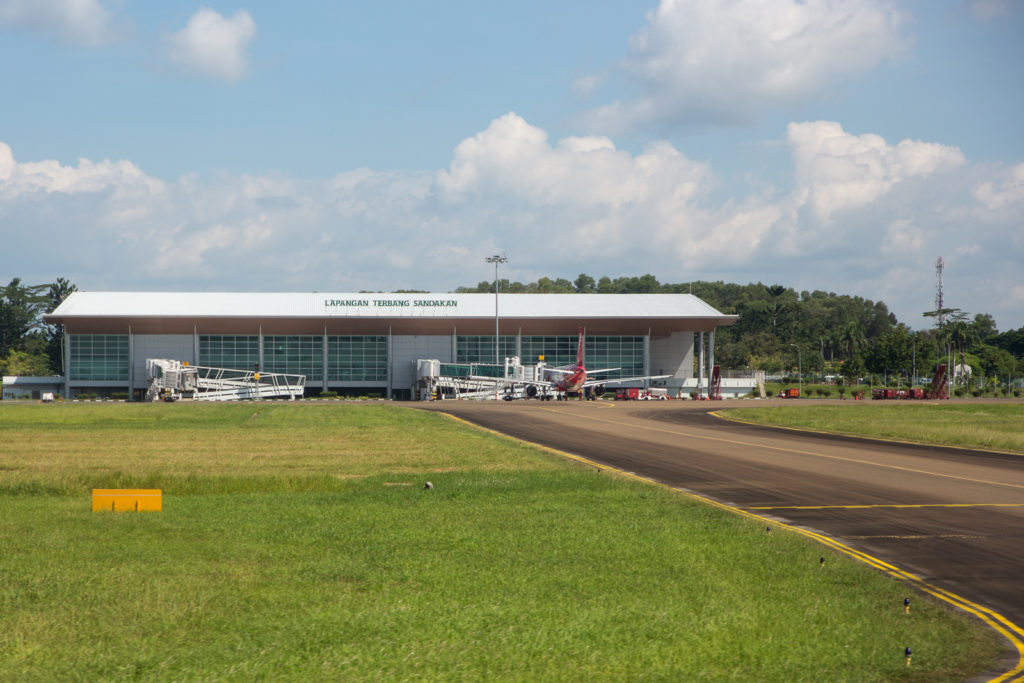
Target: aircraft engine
599, 390
531, 391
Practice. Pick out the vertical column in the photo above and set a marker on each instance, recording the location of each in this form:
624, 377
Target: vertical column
324, 348
391, 359
647, 358
259, 346
711, 356
67, 363
519, 343
195, 345
455, 345
131, 364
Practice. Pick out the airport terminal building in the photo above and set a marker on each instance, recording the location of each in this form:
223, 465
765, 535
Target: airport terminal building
368, 343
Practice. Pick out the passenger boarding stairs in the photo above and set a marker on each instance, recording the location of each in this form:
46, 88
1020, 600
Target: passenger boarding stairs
172, 380
436, 379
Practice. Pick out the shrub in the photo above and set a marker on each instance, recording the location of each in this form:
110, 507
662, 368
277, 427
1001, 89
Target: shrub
86, 395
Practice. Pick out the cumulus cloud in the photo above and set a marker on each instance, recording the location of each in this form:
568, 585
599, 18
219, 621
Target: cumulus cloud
859, 210
212, 45
78, 22
836, 170
50, 176
1007, 190
595, 193
722, 60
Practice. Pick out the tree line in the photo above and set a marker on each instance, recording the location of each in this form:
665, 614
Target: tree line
28, 345
781, 330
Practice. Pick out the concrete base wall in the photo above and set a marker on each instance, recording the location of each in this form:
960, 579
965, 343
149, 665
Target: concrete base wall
673, 355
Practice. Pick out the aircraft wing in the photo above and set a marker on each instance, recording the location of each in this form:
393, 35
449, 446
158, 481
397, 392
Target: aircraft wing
621, 380
560, 371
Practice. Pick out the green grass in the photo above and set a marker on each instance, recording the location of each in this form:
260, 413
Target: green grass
991, 426
300, 544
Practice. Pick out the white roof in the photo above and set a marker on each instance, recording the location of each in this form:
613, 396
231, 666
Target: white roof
11, 380
366, 305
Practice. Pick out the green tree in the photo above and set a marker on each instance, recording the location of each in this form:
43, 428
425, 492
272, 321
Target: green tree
1011, 340
984, 326
585, 284
25, 364
853, 368
892, 352
851, 338
20, 309
995, 362
58, 292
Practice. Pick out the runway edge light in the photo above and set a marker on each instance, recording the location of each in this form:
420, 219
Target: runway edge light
127, 500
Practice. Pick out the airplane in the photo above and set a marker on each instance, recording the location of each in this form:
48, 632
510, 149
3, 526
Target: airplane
573, 380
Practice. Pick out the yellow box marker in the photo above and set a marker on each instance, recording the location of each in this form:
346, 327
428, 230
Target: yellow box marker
120, 500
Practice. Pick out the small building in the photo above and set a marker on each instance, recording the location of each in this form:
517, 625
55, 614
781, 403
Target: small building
18, 387
368, 343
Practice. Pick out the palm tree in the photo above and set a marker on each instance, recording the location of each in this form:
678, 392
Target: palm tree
851, 338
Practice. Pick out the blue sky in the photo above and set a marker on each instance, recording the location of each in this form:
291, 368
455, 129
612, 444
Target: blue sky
840, 146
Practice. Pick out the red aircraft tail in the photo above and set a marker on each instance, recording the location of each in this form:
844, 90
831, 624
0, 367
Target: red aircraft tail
579, 351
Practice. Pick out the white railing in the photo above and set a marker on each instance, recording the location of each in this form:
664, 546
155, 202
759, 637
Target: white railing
172, 379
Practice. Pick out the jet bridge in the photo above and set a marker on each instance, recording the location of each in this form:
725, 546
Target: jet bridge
170, 380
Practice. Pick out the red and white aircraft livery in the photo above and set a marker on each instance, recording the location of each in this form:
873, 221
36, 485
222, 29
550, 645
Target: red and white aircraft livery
571, 380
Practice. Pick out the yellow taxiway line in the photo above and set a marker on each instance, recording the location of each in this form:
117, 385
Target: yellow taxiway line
896, 505
1012, 632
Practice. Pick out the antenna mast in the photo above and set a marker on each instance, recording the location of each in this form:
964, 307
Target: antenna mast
938, 291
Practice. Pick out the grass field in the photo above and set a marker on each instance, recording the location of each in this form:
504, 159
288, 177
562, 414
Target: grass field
297, 542
992, 425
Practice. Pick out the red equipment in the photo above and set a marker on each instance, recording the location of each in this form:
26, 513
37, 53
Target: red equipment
939, 388
716, 383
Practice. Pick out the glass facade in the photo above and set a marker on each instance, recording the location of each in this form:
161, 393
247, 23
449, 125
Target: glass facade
295, 355
357, 358
480, 348
624, 353
238, 352
102, 357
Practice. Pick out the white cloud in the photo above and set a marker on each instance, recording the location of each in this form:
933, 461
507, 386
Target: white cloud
174, 255
904, 237
212, 45
723, 60
837, 171
511, 156
860, 212
1009, 189
79, 22
50, 176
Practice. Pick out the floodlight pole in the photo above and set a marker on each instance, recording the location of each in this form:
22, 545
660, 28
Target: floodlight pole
800, 371
496, 259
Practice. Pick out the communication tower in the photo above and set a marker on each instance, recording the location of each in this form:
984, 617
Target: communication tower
938, 291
